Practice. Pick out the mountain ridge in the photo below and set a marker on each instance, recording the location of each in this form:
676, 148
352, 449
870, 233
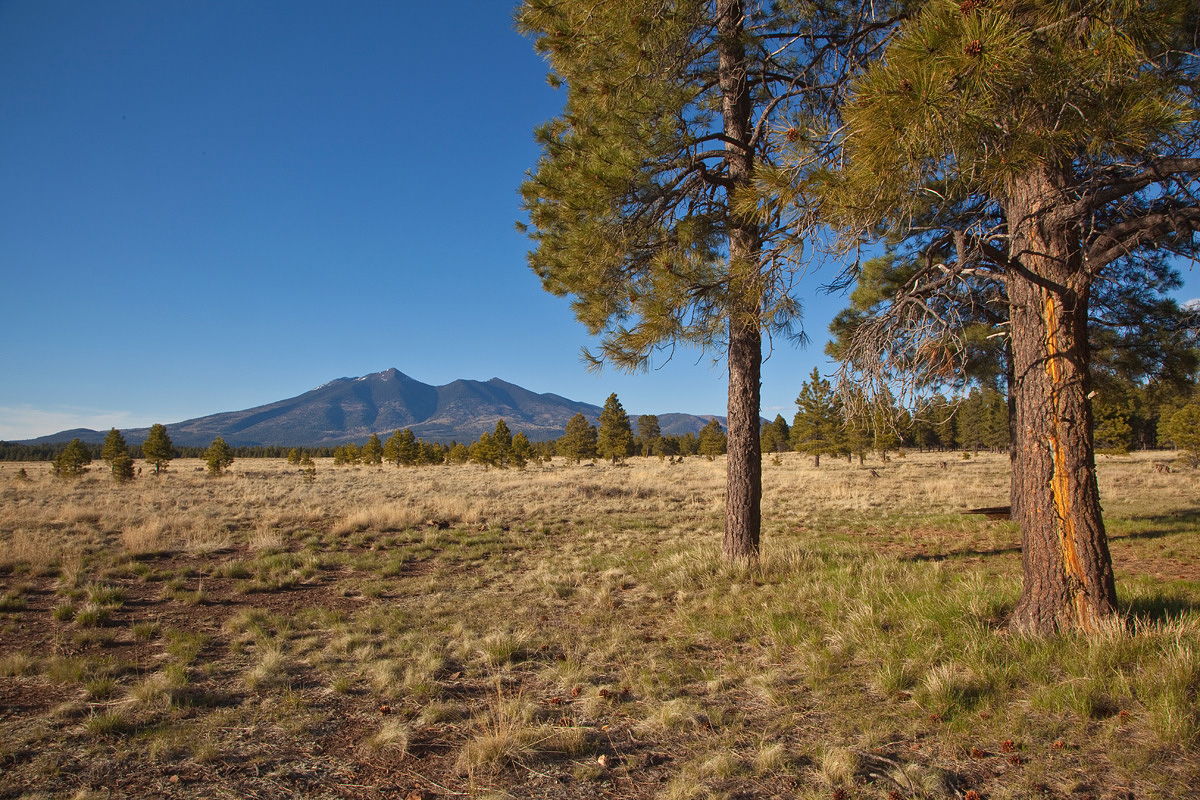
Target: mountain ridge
351, 409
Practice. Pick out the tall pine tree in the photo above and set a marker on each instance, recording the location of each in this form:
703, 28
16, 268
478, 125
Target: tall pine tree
817, 427
644, 206
614, 439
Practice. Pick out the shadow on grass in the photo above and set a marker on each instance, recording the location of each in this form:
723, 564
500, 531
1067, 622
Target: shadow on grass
1159, 608
995, 551
1172, 524
1162, 525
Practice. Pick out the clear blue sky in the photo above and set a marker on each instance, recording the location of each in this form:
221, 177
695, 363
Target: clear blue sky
210, 205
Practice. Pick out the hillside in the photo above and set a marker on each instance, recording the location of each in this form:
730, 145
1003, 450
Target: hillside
351, 409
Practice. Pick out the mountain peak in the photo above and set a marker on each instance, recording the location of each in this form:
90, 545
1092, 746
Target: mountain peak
351, 409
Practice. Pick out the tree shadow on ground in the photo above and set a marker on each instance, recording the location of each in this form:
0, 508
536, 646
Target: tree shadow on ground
1159, 608
1167, 525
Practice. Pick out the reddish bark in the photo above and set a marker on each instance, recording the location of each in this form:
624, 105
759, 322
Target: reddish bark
1068, 578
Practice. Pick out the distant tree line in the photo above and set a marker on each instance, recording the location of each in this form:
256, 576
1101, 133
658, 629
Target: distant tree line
1127, 416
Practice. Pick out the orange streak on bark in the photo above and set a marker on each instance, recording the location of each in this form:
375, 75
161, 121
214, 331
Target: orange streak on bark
1060, 477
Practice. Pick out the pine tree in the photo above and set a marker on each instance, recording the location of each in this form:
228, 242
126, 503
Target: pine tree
72, 461
579, 440
372, 451
218, 457
1112, 432
646, 207
1043, 143
459, 454
648, 434
1183, 429
520, 452
122, 467
485, 451
776, 435
502, 441
402, 448
157, 449
114, 445
614, 439
817, 427
293, 456
116, 453
307, 468
712, 441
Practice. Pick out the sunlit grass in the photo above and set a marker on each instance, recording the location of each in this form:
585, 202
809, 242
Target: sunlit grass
578, 622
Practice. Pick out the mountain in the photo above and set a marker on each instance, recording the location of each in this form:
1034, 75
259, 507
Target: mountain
351, 409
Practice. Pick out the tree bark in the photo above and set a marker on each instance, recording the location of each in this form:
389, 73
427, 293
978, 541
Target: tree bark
743, 471
1068, 579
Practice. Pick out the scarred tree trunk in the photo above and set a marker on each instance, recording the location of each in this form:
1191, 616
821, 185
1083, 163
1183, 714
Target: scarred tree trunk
1067, 569
743, 471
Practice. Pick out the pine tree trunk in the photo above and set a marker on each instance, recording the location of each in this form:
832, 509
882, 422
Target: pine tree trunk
1068, 580
743, 471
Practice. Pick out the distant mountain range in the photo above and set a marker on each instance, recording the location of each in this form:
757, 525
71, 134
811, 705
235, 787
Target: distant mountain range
351, 409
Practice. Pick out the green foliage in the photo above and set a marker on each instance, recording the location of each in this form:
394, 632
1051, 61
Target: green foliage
817, 427
402, 448
307, 468
712, 440
645, 206
72, 461
372, 451
218, 457
1184, 432
116, 454
293, 456
431, 452
114, 445
648, 434
979, 95
157, 449
496, 449
502, 440
579, 440
933, 427
982, 420
122, 467
485, 451
614, 439
521, 451
1112, 431
775, 436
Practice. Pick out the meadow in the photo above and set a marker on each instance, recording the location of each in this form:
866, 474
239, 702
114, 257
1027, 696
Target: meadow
570, 631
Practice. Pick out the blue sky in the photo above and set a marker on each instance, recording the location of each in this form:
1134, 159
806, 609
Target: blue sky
207, 206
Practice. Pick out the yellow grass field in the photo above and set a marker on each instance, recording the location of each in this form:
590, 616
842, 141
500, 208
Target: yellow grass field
570, 631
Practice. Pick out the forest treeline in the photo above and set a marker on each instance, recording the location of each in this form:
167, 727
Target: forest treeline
1141, 417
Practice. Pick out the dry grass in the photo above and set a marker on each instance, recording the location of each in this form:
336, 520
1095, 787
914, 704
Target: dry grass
570, 631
